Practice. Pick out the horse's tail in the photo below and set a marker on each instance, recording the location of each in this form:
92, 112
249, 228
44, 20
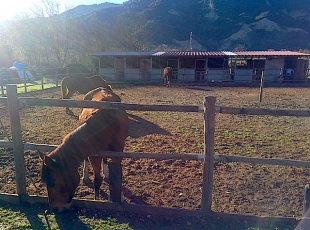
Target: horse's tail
63, 86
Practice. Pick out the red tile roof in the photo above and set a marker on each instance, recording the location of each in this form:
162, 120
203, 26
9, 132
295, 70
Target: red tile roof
204, 53
194, 53
270, 53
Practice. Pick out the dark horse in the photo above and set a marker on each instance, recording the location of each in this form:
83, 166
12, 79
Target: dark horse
167, 75
70, 85
100, 130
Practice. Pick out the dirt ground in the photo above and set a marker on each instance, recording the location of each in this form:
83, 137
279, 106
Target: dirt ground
262, 190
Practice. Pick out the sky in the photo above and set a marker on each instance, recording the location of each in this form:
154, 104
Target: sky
10, 8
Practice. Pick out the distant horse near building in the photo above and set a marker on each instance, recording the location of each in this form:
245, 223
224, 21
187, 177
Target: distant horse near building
167, 75
70, 85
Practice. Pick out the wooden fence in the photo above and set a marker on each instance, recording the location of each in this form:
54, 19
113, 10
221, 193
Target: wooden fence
209, 109
46, 77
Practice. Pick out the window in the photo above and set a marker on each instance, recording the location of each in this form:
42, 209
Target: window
131, 62
187, 63
106, 62
156, 63
215, 63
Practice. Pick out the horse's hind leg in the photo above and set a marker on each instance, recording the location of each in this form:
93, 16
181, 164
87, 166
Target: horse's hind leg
96, 163
68, 96
105, 169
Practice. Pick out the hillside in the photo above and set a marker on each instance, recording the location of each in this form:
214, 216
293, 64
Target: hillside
87, 9
217, 24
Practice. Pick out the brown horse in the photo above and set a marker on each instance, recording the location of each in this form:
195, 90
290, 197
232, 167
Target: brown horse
70, 85
85, 176
167, 75
99, 130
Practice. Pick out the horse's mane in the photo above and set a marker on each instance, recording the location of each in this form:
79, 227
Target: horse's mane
69, 151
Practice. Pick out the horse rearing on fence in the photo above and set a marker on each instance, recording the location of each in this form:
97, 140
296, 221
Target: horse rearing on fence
168, 72
71, 84
100, 130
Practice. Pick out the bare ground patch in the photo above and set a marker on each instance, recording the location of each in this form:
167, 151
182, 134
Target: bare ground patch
261, 190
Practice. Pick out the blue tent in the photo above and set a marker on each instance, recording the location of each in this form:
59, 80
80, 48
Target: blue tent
19, 65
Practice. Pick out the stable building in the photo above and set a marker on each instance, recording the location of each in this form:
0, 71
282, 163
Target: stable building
205, 66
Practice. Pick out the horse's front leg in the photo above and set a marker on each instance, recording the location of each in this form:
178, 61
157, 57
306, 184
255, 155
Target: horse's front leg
96, 163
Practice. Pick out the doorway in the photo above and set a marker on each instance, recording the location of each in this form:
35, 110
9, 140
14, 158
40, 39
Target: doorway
119, 65
200, 70
174, 63
145, 69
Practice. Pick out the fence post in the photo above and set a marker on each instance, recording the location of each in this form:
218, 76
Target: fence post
25, 81
209, 128
41, 76
1, 82
115, 181
56, 77
261, 87
18, 148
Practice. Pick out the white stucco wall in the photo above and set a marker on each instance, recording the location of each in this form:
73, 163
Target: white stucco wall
156, 74
107, 73
243, 75
215, 75
186, 75
131, 74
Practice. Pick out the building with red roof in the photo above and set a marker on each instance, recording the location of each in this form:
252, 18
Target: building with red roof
205, 66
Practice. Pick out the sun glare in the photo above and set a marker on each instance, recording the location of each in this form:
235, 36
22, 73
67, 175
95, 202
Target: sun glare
12, 9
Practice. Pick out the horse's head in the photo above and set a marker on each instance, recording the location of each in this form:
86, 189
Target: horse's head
60, 183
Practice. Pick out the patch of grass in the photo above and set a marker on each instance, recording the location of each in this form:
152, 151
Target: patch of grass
33, 86
26, 216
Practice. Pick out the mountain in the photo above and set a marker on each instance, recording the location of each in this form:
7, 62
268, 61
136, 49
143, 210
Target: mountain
218, 24
87, 9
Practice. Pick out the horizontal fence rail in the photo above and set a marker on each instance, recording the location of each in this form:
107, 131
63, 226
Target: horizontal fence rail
175, 156
104, 104
256, 111
174, 108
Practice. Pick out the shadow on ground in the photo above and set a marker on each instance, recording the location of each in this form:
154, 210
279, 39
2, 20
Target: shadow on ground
32, 217
139, 127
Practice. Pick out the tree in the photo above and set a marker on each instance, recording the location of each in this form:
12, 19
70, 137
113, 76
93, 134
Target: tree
55, 31
131, 32
6, 50
240, 47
